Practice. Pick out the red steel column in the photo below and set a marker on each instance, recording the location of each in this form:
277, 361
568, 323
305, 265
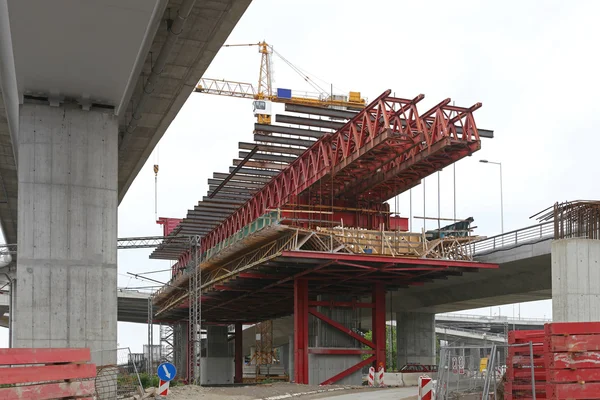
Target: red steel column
239, 354
379, 324
301, 331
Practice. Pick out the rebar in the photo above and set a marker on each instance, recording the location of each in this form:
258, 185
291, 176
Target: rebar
573, 219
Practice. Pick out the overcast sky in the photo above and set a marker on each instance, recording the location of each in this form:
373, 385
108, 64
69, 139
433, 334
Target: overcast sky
533, 64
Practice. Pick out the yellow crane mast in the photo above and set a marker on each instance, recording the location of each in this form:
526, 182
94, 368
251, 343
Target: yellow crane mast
263, 93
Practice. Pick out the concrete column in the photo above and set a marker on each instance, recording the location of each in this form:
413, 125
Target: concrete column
291, 358
239, 354
575, 280
416, 338
67, 236
218, 365
180, 348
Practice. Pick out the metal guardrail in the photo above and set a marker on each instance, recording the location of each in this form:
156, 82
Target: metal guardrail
471, 331
485, 318
530, 234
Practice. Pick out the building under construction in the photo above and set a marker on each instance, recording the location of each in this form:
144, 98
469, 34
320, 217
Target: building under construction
300, 226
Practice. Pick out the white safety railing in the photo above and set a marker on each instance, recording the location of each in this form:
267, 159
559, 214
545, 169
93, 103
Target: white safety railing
484, 334
529, 234
486, 318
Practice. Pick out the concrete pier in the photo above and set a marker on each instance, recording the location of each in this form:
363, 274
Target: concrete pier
67, 217
416, 338
218, 364
575, 280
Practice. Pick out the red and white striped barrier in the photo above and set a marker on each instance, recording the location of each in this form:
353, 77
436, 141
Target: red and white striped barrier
163, 388
371, 378
425, 388
380, 382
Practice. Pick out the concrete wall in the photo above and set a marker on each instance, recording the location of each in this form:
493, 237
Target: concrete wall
218, 367
576, 280
322, 367
67, 235
416, 338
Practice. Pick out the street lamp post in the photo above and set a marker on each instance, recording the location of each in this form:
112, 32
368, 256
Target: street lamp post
501, 195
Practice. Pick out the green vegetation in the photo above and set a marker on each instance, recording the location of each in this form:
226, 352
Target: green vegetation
389, 347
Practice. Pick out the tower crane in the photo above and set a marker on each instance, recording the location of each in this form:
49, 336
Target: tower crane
264, 94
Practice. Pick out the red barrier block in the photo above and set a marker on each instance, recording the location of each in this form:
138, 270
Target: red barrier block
573, 343
49, 391
572, 328
43, 356
46, 373
570, 391
586, 359
573, 376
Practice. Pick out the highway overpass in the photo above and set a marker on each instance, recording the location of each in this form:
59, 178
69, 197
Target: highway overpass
86, 96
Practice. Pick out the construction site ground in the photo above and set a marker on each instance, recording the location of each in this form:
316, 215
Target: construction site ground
278, 391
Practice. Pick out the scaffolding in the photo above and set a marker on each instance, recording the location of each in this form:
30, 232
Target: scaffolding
167, 350
195, 314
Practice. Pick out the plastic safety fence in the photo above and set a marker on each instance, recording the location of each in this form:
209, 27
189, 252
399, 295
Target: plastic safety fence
525, 369
572, 360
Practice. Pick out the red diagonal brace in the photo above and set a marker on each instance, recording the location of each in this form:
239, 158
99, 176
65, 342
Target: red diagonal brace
342, 328
349, 371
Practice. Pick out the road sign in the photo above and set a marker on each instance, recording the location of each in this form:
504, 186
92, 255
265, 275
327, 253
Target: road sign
454, 365
166, 371
461, 365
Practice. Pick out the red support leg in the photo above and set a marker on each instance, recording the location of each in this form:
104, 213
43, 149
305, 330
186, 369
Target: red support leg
239, 354
379, 324
301, 331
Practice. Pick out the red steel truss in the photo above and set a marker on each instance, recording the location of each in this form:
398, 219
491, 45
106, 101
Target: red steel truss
384, 150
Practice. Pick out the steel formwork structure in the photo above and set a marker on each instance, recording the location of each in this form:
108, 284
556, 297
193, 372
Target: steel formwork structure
242, 273
285, 276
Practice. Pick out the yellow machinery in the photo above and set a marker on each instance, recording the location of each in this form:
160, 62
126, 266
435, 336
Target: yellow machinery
264, 94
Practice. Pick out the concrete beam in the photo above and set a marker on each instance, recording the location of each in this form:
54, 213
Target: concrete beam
319, 123
325, 112
240, 176
259, 172
268, 157
283, 140
270, 148
288, 131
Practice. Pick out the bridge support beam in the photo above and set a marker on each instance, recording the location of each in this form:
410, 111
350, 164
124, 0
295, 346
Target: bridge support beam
416, 338
575, 280
67, 216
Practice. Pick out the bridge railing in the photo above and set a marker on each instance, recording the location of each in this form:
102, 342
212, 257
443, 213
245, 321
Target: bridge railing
530, 234
486, 334
485, 318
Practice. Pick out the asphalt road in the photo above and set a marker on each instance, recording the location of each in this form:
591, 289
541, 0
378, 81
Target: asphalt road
381, 394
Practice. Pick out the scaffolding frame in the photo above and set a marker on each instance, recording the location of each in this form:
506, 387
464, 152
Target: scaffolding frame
195, 315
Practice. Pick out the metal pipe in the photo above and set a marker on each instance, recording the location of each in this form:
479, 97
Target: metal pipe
161, 61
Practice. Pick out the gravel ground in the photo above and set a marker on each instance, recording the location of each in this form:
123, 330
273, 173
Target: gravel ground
242, 392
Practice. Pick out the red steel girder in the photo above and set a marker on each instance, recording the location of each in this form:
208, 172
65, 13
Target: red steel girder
378, 325
387, 130
301, 331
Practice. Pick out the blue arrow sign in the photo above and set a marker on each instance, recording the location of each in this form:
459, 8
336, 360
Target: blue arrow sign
166, 371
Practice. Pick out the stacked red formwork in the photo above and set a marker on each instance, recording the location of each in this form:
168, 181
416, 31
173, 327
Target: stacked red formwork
572, 360
518, 383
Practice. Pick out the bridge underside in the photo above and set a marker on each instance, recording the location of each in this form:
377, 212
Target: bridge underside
265, 291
